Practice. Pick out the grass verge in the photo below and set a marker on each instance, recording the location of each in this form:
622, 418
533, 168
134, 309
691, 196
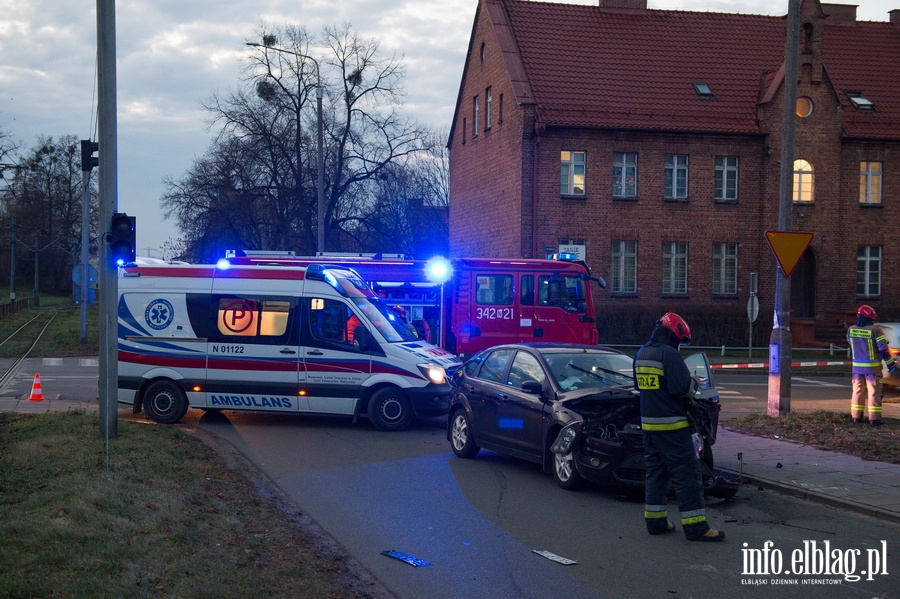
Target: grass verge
156, 513
826, 430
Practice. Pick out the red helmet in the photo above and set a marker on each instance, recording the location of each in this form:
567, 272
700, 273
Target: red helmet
867, 311
678, 326
400, 310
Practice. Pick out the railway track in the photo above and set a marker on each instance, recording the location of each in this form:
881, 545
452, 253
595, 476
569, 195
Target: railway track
18, 344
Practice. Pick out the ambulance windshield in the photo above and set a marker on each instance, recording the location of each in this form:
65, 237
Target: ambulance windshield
388, 322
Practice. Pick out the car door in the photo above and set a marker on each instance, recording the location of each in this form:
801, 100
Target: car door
520, 414
487, 392
335, 366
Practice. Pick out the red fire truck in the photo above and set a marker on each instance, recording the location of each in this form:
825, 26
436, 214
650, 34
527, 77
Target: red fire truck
467, 304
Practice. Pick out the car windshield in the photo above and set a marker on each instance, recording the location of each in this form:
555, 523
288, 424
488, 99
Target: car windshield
583, 370
385, 320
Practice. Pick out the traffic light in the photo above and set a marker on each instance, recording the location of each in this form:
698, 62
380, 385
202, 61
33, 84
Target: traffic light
122, 239
88, 160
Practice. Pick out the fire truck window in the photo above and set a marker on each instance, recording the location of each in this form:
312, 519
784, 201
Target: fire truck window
526, 295
264, 321
525, 368
567, 293
494, 290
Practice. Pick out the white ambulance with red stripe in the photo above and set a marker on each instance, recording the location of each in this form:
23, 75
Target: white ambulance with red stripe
312, 339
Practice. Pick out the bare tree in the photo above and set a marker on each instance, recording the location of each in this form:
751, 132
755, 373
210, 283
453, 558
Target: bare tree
256, 187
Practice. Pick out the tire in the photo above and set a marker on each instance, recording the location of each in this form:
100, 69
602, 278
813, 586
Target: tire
390, 410
165, 402
565, 473
461, 439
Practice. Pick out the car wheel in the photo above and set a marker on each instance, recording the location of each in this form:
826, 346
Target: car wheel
164, 402
564, 471
461, 438
389, 410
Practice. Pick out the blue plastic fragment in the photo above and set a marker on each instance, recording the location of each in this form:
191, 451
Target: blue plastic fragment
403, 557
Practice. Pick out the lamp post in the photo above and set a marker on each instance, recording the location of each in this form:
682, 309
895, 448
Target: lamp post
320, 185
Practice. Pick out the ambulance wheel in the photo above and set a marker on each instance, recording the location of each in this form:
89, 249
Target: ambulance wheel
389, 410
164, 402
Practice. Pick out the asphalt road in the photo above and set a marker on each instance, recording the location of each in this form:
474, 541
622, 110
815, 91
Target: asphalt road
477, 522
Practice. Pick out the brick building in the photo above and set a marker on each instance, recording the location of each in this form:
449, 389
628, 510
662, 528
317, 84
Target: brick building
650, 141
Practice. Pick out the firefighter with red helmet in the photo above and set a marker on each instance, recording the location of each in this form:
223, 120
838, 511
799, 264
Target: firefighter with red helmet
868, 348
666, 385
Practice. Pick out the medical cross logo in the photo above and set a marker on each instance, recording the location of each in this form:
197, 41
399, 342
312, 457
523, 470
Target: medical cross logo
159, 314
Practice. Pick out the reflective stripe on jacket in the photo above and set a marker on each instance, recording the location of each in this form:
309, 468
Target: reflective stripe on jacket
665, 383
868, 347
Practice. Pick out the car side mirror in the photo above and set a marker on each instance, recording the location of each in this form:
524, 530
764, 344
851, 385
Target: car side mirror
532, 387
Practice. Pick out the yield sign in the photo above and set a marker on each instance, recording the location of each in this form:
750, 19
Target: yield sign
788, 248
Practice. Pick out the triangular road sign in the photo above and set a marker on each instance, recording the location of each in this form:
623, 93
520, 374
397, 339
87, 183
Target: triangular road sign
788, 248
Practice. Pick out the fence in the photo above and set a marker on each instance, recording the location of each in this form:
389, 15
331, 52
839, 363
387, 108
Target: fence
13, 307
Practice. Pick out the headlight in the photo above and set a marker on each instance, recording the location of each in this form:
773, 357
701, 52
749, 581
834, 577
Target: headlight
434, 373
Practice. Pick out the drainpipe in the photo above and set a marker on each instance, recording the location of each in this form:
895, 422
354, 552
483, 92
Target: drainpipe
539, 128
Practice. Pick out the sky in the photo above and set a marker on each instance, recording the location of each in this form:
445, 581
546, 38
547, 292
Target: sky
174, 54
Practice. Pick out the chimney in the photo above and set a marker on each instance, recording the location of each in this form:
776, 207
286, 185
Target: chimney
895, 17
839, 13
632, 4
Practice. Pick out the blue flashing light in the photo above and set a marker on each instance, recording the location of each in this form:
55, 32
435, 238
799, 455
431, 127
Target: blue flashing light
511, 424
223, 264
438, 270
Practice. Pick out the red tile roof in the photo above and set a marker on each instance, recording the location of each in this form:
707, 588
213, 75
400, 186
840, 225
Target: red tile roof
595, 67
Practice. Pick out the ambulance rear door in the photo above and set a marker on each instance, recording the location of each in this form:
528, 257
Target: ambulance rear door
255, 361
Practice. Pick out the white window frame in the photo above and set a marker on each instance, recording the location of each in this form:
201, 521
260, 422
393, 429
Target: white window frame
675, 177
725, 180
868, 270
624, 169
725, 268
623, 272
475, 115
488, 105
674, 268
870, 180
572, 173
804, 182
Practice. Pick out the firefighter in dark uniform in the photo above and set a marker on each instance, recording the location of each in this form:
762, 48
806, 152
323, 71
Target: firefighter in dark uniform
666, 385
869, 347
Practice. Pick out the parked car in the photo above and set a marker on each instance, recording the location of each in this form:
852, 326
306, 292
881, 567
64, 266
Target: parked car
892, 333
571, 408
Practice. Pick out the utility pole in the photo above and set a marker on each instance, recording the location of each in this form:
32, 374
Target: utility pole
780, 342
12, 261
108, 183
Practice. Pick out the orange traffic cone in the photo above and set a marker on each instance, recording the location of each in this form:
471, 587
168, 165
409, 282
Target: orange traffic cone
36, 393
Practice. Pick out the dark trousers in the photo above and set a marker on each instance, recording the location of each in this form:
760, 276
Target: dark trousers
669, 457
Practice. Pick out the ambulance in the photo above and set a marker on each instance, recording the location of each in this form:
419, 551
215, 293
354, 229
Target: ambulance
313, 339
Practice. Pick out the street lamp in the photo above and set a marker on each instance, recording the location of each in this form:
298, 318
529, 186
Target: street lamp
320, 187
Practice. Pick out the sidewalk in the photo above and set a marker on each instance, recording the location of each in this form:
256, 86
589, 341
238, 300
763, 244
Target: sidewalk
827, 477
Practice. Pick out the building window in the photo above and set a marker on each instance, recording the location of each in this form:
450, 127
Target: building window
870, 183
804, 107
675, 178
725, 264
571, 173
674, 268
624, 175
803, 181
868, 271
860, 101
500, 111
624, 268
475, 117
726, 179
488, 101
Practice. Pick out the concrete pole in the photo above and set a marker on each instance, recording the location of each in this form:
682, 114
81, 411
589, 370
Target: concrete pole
37, 276
780, 342
108, 183
12, 261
